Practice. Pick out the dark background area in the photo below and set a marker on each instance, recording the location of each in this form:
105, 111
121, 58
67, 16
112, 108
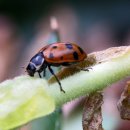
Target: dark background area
26, 13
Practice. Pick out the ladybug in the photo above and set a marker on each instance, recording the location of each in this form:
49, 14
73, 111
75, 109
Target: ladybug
55, 54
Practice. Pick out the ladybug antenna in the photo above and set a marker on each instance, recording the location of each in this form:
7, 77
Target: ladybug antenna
22, 67
53, 23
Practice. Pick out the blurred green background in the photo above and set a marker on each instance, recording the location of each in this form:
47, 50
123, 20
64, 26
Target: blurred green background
94, 25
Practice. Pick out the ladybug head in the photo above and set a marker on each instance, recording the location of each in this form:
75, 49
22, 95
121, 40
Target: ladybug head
35, 64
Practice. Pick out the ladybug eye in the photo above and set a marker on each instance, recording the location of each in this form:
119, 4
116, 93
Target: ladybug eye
38, 59
31, 67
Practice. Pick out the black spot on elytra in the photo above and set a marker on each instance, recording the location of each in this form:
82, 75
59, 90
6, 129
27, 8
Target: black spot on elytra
81, 51
51, 55
69, 46
54, 47
61, 57
75, 54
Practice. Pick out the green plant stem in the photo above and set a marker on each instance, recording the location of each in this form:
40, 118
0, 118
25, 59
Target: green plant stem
101, 76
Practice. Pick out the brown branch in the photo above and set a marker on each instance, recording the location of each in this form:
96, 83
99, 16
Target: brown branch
124, 103
92, 116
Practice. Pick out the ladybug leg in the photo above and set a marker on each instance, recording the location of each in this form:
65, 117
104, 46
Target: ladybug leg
44, 72
39, 75
83, 69
52, 72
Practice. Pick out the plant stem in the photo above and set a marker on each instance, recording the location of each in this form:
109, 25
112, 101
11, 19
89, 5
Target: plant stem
101, 76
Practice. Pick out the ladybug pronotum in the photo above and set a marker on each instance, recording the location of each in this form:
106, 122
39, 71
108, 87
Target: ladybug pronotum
55, 54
